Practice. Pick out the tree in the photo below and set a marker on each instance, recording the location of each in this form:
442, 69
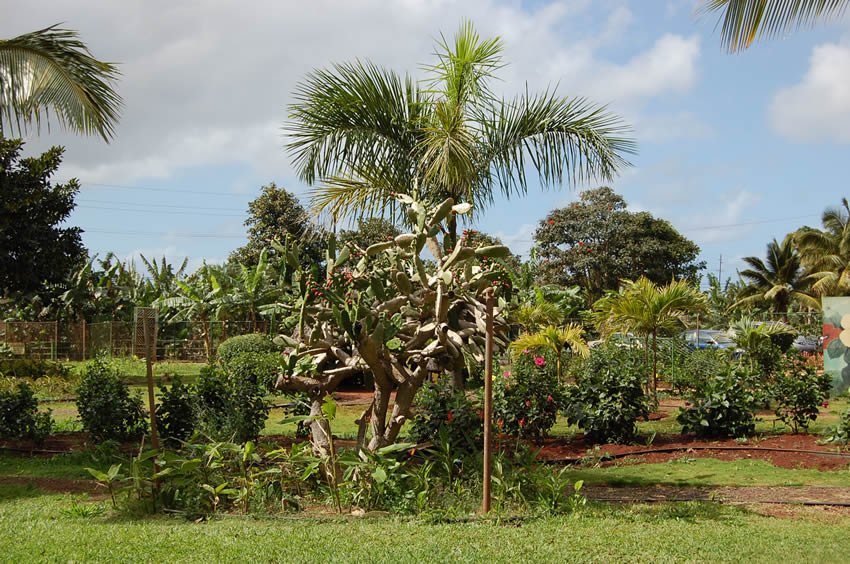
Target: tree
52, 71
644, 308
275, 215
197, 299
364, 133
826, 253
596, 242
555, 340
777, 282
369, 231
35, 251
744, 21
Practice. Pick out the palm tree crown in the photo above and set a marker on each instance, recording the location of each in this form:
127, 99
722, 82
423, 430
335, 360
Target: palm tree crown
363, 133
52, 71
826, 253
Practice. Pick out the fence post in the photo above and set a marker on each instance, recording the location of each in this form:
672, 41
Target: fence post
55, 339
84, 338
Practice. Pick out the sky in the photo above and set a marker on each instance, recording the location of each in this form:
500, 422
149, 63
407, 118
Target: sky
734, 150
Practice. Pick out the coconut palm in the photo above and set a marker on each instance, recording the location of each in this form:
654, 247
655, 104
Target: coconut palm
50, 71
826, 253
646, 309
362, 133
777, 282
743, 21
555, 340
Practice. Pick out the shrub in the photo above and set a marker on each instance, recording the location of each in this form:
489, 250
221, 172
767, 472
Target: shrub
32, 368
725, 407
252, 343
230, 407
260, 368
175, 413
799, 391
840, 434
19, 416
527, 397
107, 409
439, 405
608, 396
696, 368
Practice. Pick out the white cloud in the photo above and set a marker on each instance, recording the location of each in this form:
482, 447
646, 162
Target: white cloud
208, 83
817, 108
674, 126
716, 223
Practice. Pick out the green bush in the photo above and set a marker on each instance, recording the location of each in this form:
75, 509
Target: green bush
799, 391
608, 396
527, 397
439, 405
696, 368
20, 418
175, 412
725, 407
252, 343
107, 409
840, 434
260, 368
230, 407
32, 368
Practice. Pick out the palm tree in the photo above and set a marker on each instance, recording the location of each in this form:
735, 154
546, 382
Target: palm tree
646, 309
52, 71
556, 340
778, 282
366, 134
746, 20
826, 254
251, 288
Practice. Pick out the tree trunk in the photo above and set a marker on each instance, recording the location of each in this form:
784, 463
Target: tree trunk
205, 328
320, 428
655, 366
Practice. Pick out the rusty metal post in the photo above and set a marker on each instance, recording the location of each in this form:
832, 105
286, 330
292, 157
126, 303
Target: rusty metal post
148, 332
488, 402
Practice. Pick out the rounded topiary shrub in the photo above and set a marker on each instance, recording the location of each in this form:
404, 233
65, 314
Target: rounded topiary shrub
107, 409
176, 412
230, 408
724, 407
260, 368
252, 343
19, 415
608, 396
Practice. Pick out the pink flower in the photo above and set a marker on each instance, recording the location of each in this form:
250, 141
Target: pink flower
506, 374
549, 398
522, 423
527, 403
539, 360
525, 351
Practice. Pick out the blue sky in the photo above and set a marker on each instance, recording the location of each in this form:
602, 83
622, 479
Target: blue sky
733, 149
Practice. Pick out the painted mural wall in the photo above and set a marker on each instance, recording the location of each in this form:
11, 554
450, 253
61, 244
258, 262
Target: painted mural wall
836, 343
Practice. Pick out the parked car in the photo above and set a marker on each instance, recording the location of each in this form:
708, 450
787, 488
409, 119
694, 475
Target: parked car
806, 343
620, 340
708, 339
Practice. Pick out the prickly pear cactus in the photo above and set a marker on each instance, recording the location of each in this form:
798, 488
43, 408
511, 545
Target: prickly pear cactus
384, 311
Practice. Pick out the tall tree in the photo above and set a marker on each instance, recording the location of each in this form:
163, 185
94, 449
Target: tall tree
646, 309
369, 231
275, 215
596, 242
744, 21
50, 71
826, 253
363, 133
777, 282
35, 249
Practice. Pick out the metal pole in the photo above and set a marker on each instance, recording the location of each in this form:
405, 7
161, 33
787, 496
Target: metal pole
488, 401
84, 339
149, 364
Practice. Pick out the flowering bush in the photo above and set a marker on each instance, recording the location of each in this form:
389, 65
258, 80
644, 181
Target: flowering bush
526, 398
439, 405
608, 396
799, 391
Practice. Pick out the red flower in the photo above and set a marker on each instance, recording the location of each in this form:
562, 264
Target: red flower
450, 416
551, 222
825, 404
522, 423
539, 361
549, 398
528, 403
500, 423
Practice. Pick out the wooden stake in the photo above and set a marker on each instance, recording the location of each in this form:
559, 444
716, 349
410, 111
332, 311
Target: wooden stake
488, 402
149, 363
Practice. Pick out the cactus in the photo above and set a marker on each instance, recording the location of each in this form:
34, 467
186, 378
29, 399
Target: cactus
382, 311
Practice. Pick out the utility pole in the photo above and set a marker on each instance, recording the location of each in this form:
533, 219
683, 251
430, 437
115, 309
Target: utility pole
720, 272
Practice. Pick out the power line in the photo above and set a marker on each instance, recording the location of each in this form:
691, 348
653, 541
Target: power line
169, 190
166, 234
183, 213
175, 206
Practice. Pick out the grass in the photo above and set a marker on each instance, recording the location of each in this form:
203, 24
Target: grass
135, 370
44, 527
69, 466
709, 472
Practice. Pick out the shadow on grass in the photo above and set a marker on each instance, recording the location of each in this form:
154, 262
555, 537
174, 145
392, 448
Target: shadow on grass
14, 492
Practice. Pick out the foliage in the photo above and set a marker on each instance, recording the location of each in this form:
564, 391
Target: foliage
20, 418
840, 434
527, 397
106, 407
230, 406
261, 369
553, 340
799, 391
32, 368
695, 368
176, 412
251, 343
51, 72
724, 407
368, 232
439, 406
363, 133
778, 282
825, 253
277, 215
37, 250
596, 242
608, 397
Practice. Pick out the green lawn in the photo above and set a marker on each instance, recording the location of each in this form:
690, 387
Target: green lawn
41, 527
135, 370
